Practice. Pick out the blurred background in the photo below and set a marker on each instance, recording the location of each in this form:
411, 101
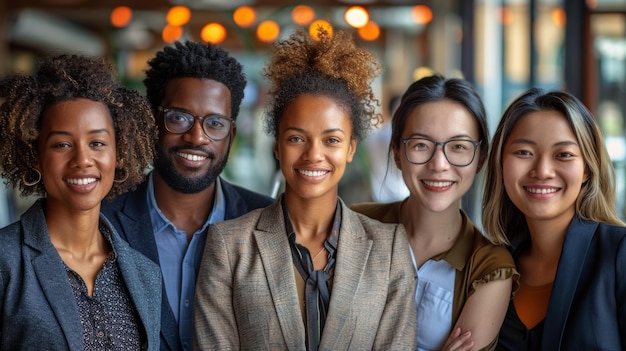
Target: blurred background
502, 46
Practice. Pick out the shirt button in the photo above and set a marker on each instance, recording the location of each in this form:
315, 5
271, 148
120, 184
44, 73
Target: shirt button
187, 303
101, 334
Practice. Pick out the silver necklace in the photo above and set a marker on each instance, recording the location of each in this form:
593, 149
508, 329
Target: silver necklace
316, 256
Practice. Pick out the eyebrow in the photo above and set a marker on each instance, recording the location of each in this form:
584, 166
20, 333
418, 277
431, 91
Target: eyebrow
182, 109
91, 132
458, 136
559, 143
327, 131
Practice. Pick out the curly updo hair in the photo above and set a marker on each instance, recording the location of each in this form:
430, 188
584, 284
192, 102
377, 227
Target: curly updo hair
194, 60
65, 78
332, 66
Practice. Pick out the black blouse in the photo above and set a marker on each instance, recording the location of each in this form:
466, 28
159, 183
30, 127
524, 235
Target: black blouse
515, 337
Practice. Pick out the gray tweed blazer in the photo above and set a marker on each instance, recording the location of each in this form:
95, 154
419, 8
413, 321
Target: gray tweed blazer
246, 296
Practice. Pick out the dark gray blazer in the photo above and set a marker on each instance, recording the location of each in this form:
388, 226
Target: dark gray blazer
129, 215
587, 308
38, 307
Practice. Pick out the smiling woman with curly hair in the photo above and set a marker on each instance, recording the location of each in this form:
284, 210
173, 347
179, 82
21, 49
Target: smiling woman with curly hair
72, 134
307, 272
70, 78
332, 66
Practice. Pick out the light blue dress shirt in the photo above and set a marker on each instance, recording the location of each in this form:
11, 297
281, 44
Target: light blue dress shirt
180, 260
434, 297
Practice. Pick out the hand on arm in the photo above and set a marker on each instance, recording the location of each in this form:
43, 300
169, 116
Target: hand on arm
458, 342
482, 316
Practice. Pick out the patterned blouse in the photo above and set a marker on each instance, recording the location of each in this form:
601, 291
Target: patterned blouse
109, 319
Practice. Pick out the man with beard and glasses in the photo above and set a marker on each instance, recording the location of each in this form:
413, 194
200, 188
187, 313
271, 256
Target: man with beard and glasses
195, 91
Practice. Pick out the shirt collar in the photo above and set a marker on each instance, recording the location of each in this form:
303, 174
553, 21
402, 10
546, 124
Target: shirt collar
106, 233
459, 254
159, 221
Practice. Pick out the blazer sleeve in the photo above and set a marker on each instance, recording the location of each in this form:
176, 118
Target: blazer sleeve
621, 289
396, 330
214, 318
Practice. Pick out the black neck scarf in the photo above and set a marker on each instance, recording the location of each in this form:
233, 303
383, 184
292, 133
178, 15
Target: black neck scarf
317, 292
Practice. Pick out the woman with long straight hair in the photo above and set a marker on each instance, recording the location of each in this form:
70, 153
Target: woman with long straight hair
551, 194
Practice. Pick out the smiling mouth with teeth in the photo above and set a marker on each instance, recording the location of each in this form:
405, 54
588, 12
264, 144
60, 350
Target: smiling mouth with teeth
312, 173
81, 181
542, 190
438, 184
191, 157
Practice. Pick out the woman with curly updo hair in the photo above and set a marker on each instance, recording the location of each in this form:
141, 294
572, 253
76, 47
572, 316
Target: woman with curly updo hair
307, 272
73, 135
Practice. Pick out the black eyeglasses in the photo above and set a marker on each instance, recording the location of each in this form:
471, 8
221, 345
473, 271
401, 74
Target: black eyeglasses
216, 127
458, 152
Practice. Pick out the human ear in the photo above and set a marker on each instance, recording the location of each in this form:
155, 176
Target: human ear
351, 150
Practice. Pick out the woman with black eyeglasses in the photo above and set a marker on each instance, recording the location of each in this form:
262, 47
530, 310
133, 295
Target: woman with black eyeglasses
439, 141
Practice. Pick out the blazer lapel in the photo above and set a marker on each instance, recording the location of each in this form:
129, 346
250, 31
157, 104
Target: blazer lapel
47, 264
234, 202
59, 295
140, 236
352, 254
577, 240
271, 238
136, 282
137, 224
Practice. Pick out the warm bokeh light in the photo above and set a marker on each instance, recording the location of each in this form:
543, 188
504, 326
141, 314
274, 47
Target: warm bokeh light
244, 16
421, 72
559, 18
422, 14
171, 33
506, 16
592, 4
318, 25
213, 32
370, 31
268, 31
121, 16
302, 14
178, 16
356, 16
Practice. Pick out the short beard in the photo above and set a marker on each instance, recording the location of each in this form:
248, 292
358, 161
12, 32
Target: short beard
183, 184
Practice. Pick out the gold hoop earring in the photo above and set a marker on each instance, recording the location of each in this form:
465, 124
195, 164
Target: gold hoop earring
27, 183
123, 179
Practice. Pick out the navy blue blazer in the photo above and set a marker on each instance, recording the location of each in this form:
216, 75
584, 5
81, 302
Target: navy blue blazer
38, 307
587, 308
129, 215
